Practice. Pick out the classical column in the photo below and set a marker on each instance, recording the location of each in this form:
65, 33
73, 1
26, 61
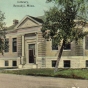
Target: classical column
22, 58
36, 48
84, 46
22, 45
36, 44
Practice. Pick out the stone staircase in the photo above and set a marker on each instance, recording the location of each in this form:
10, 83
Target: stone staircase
29, 66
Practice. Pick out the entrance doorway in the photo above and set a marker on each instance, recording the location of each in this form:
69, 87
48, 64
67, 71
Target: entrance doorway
31, 53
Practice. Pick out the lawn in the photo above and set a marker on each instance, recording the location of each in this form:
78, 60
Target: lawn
62, 73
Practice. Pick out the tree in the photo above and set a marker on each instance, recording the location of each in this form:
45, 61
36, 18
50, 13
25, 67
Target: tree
2, 32
61, 23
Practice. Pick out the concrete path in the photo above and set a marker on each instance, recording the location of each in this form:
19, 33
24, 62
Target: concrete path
20, 81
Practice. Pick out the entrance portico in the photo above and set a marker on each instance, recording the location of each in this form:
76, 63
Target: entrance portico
29, 48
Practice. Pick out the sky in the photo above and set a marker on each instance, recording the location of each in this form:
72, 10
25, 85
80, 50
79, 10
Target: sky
18, 9
14, 10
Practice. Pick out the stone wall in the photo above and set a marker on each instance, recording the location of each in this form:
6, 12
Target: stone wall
41, 45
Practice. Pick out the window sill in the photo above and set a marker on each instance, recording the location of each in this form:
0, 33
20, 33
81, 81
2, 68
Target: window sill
54, 50
67, 50
63, 50
6, 52
13, 52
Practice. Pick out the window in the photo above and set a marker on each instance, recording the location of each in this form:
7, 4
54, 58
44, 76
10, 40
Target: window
14, 63
6, 45
86, 42
67, 46
66, 63
6, 63
14, 45
53, 63
86, 63
54, 46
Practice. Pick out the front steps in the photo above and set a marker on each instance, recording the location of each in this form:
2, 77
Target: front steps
28, 66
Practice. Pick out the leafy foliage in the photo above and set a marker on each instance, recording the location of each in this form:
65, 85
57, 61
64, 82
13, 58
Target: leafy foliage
60, 22
2, 31
64, 23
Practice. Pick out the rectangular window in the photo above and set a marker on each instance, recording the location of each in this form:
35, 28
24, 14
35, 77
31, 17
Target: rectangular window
14, 63
86, 42
66, 63
6, 45
53, 63
54, 46
6, 63
14, 45
67, 46
86, 63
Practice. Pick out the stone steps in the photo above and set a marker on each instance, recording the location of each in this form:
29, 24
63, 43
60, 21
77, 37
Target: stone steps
30, 66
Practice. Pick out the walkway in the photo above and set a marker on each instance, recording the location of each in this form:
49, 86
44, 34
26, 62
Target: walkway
20, 81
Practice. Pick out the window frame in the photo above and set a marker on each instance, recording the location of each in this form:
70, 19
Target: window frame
53, 63
86, 63
14, 47
86, 41
64, 63
67, 49
13, 63
6, 63
55, 48
6, 49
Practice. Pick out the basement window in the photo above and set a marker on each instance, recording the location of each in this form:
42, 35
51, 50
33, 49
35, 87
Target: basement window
67, 63
14, 63
86, 63
6, 63
53, 63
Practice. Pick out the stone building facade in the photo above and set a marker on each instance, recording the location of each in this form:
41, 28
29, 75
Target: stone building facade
26, 48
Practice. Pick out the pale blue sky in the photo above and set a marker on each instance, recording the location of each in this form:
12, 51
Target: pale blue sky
19, 13
12, 12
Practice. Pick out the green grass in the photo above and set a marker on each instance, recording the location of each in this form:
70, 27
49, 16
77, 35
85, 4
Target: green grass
64, 73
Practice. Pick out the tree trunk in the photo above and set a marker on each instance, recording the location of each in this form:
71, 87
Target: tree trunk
59, 56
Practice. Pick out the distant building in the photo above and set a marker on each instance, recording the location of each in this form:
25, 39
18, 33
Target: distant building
26, 48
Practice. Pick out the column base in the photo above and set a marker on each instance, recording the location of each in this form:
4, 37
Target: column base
20, 66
